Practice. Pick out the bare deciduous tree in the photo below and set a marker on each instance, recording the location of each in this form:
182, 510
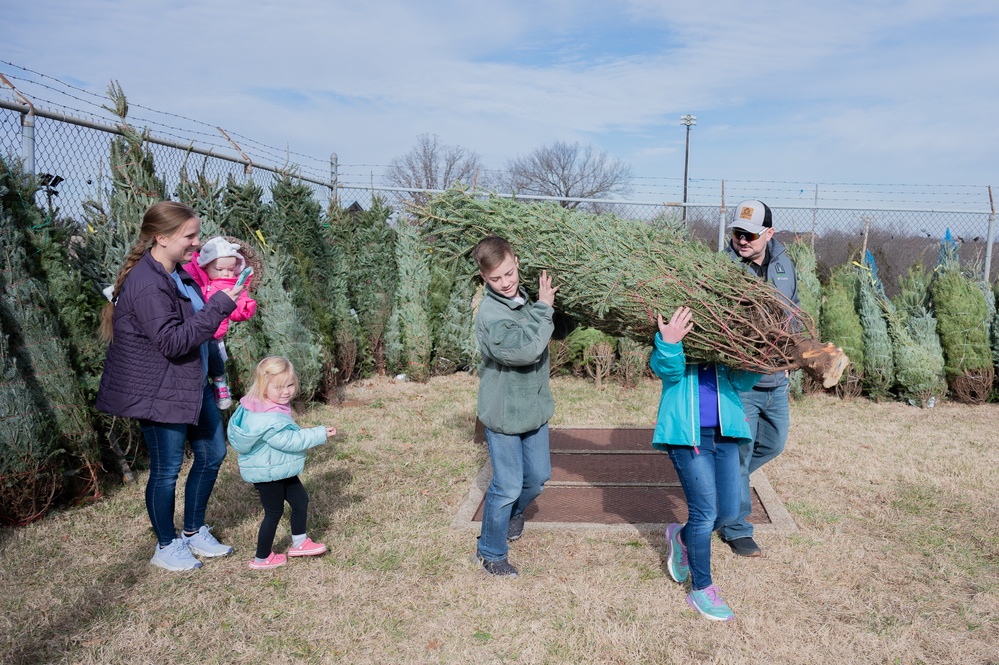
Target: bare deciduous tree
434, 165
568, 171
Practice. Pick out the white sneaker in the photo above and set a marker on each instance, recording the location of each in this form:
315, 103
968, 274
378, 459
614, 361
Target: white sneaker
175, 557
203, 543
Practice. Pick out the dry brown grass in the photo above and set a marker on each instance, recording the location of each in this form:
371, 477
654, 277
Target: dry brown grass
896, 559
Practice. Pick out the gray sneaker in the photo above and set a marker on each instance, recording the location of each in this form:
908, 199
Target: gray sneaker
501, 568
175, 557
203, 543
516, 528
745, 546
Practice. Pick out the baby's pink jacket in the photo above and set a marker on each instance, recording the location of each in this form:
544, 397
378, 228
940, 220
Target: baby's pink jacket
245, 305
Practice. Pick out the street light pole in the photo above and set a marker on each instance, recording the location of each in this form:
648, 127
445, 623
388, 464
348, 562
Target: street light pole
687, 120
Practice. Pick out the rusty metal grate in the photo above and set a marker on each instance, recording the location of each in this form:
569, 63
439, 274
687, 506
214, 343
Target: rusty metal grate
612, 476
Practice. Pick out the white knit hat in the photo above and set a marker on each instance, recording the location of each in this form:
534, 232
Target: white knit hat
217, 248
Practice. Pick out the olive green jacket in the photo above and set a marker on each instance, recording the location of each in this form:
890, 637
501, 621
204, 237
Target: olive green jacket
514, 396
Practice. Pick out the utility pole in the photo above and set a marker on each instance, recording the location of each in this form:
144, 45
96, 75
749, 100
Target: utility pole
687, 120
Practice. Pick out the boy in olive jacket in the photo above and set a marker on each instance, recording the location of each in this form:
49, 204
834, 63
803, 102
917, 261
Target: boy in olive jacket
515, 401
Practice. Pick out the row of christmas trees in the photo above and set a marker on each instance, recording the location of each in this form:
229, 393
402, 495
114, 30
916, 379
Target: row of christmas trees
346, 293
939, 335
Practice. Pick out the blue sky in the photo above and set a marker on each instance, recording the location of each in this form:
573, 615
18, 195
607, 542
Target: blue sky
903, 92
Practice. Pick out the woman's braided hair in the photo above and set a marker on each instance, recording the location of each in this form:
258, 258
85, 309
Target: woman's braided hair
163, 218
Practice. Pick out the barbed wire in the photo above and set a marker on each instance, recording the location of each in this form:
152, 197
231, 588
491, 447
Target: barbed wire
705, 191
211, 138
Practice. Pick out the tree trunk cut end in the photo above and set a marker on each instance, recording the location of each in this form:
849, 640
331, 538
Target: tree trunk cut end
823, 362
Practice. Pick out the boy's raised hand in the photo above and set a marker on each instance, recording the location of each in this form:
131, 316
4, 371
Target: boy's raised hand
546, 292
679, 325
330, 431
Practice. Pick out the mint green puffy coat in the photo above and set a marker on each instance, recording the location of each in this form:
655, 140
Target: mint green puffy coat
270, 445
679, 419
514, 396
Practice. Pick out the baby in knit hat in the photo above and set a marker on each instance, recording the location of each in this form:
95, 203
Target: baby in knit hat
216, 267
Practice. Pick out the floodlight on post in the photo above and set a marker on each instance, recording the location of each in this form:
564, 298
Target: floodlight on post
687, 120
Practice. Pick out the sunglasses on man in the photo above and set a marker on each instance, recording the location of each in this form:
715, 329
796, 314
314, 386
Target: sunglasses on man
746, 235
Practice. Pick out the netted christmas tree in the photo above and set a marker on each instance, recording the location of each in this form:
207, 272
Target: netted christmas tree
616, 275
919, 360
995, 327
48, 434
408, 338
347, 337
802, 254
280, 322
369, 243
456, 347
879, 359
296, 225
243, 212
991, 315
53, 243
842, 326
961, 311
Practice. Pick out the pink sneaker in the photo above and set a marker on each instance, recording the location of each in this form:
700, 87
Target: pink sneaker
273, 561
308, 548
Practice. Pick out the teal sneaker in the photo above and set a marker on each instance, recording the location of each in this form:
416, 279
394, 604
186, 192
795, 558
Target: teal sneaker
708, 603
203, 543
175, 557
676, 563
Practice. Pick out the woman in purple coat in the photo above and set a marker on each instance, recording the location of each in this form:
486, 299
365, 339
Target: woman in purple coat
157, 328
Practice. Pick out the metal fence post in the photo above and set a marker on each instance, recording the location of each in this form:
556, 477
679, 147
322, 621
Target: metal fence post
815, 214
28, 142
721, 220
334, 167
989, 239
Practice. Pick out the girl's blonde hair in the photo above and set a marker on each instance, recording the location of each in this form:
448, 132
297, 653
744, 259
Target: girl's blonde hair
163, 218
266, 371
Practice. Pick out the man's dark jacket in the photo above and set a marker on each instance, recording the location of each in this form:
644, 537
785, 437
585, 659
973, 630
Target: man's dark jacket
779, 272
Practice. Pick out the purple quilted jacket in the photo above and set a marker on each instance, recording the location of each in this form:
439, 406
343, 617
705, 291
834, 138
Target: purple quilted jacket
153, 367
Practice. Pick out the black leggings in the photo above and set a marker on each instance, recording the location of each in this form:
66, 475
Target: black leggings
272, 498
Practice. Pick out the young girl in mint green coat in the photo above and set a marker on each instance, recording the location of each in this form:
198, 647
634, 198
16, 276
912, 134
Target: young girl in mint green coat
272, 451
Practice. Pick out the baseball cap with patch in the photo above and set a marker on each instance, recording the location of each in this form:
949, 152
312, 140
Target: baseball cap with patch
753, 216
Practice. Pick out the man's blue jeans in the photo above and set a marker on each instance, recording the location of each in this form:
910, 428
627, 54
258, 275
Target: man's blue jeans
769, 419
165, 442
521, 467
709, 475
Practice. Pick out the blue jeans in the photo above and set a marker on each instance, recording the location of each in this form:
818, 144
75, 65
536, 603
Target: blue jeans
165, 442
769, 420
709, 475
521, 467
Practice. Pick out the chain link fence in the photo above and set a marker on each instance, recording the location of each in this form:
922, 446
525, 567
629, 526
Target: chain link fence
71, 157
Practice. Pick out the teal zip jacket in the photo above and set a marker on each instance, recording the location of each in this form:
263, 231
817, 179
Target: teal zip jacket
679, 419
270, 445
514, 396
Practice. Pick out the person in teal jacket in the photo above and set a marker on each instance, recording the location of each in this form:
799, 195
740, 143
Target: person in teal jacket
272, 451
515, 401
701, 425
